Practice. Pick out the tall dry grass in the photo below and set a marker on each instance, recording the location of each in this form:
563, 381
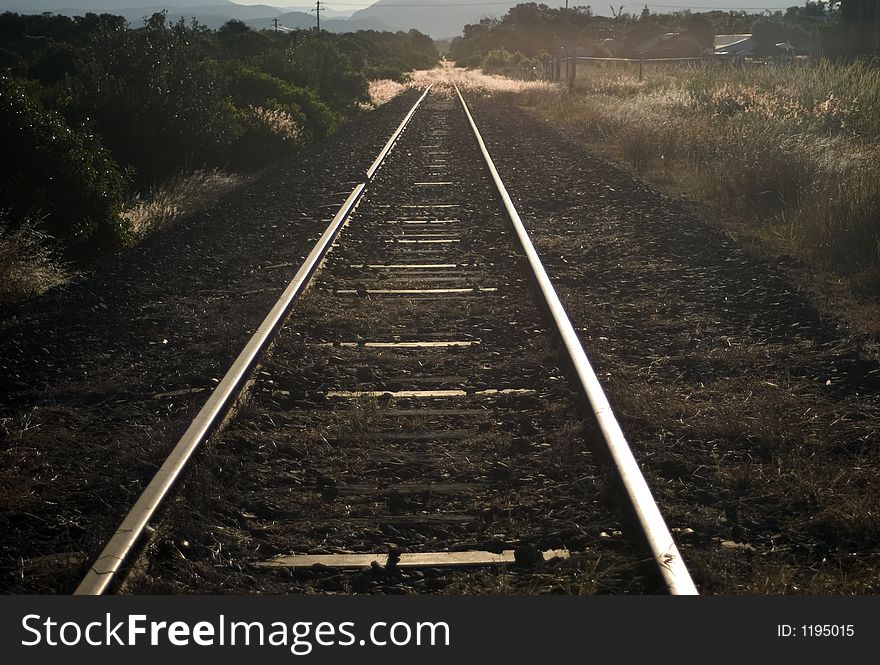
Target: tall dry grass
793, 150
180, 196
445, 76
28, 266
383, 91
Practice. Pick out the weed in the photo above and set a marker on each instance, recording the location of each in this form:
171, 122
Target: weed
28, 265
179, 196
791, 151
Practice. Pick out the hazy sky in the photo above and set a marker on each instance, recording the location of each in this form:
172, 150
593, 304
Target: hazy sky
600, 6
344, 5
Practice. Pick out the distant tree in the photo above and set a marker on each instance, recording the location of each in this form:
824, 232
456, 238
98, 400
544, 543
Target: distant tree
861, 19
152, 96
240, 41
701, 29
766, 34
731, 22
319, 64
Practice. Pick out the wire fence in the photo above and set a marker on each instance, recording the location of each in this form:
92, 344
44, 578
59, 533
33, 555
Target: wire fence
565, 68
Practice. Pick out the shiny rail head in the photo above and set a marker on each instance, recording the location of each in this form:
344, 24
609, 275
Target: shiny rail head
654, 531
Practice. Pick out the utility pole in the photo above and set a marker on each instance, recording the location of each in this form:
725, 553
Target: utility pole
275, 21
318, 13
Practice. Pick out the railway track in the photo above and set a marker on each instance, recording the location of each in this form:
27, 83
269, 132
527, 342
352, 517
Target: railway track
420, 422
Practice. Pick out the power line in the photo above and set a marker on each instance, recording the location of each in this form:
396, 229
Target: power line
317, 11
729, 8
784, 5
429, 4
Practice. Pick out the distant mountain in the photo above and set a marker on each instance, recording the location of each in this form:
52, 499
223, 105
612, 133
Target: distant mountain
97, 6
211, 13
433, 19
353, 24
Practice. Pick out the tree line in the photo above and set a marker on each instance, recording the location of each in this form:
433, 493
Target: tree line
93, 109
530, 32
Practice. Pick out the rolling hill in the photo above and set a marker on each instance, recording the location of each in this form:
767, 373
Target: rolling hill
437, 18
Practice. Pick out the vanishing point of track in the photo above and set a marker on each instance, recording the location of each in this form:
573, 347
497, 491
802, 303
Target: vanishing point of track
433, 315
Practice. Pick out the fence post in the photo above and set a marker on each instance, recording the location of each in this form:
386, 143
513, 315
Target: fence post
641, 66
574, 63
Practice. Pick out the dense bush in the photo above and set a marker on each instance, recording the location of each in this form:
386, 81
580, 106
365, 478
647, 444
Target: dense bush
63, 177
92, 111
251, 87
501, 61
320, 65
402, 51
260, 134
383, 73
154, 101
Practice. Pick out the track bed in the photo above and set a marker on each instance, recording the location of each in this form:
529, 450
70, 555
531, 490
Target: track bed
415, 402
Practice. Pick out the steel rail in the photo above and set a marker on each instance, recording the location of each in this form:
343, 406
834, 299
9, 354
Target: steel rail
663, 549
106, 568
384, 152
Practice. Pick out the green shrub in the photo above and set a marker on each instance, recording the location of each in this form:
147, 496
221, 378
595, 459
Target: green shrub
63, 177
384, 72
250, 87
153, 98
259, 134
318, 64
503, 62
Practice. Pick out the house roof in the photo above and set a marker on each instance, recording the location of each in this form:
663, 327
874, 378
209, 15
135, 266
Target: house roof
742, 47
726, 40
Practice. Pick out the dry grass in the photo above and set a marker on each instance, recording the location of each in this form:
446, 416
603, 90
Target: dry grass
383, 91
792, 478
181, 196
445, 76
28, 266
277, 121
787, 155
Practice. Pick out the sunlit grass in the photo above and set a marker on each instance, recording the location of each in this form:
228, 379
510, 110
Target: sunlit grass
28, 266
446, 76
180, 196
383, 91
278, 122
790, 149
